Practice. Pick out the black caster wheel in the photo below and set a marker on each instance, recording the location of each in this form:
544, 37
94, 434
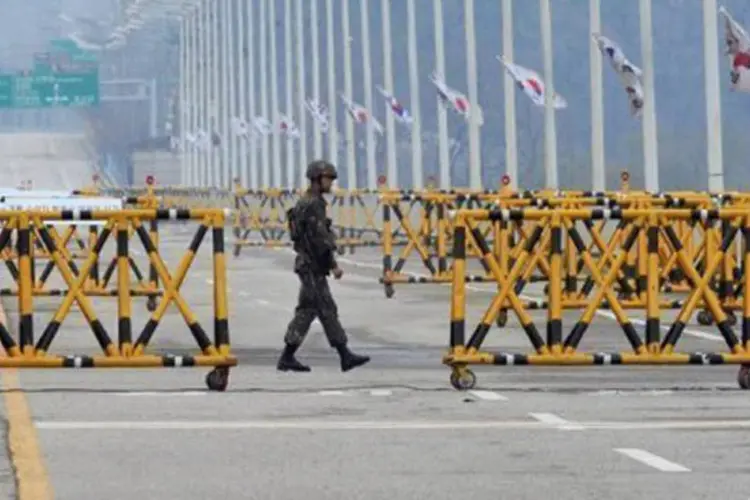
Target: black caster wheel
502, 319
389, 291
463, 379
341, 251
151, 304
546, 289
704, 318
743, 377
218, 379
236, 252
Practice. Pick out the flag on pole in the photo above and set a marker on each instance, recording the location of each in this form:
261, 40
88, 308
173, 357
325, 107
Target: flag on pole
738, 50
319, 113
360, 114
630, 75
202, 140
402, 114
531, 83
456, 100
239, 127
261, 126
288, 127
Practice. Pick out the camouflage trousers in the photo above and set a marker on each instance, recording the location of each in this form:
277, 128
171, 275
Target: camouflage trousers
315, 301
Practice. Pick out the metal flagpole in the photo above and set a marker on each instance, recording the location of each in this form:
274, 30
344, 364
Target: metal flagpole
364, 17
288, 83
227, 93
214, 179
475, 157
301, 78
244, 61
417, 173
550, 131
511, 140
183, 97
650, 148
265, 163
251, 139
391, 168
333, 139
351, 159
315, 46
442, 118
598, 174
713, 98
203, 96
193, 97
275, 139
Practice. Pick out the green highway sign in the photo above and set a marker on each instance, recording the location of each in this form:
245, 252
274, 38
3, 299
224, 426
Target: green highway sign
6, 91
63, 76
49, 90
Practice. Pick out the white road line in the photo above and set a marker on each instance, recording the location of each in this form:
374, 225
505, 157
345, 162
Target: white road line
599, 312
687, 331
279, 424
556, 421
330, 393
652, 460
210, 281
381, 392
160, 394
391, 425
488, 395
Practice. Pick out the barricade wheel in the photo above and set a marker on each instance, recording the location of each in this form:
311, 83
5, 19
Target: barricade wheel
218, 379
151, 304
704, 318
463, 379
743, 377
389, 291
502, 319
236, 252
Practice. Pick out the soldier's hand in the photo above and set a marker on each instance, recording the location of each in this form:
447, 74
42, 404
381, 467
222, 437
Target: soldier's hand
337, 273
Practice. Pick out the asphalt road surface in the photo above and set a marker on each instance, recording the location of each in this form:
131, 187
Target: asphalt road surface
393, 429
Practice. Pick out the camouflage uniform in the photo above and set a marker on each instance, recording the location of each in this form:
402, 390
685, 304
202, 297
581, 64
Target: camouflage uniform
314, 262
315, 245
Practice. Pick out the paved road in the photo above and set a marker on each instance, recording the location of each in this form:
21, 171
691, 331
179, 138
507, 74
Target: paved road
393, 429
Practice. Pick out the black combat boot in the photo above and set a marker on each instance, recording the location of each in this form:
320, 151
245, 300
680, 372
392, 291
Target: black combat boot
287, 361
349, 360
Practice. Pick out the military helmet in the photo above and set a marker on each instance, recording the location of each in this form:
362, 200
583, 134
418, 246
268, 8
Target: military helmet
321, 168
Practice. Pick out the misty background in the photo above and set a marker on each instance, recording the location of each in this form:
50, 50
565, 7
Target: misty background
117, 129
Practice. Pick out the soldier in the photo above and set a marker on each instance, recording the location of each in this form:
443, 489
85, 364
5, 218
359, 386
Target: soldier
315, 245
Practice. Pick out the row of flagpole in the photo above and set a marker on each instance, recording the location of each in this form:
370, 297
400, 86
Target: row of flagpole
226, 133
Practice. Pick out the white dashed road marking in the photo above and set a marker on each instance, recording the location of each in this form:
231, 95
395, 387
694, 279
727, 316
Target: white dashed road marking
652, 460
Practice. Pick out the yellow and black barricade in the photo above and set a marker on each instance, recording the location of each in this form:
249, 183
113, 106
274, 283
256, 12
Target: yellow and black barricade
648, 231
128, 351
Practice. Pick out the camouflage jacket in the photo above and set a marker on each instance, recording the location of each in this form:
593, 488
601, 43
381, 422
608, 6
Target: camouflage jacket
316, 244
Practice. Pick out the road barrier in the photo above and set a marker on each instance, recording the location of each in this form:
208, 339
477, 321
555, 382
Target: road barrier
260, 218
26, 353
636, 227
